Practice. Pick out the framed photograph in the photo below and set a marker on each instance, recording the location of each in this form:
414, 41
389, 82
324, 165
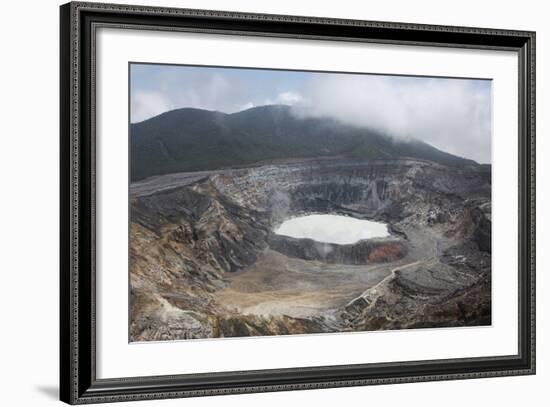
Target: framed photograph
255, 203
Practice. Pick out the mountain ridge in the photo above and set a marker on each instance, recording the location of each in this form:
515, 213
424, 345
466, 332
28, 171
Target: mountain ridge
191, 139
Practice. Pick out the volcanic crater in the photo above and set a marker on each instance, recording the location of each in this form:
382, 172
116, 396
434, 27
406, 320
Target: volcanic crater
206, 259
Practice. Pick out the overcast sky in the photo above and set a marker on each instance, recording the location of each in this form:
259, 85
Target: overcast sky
453, 115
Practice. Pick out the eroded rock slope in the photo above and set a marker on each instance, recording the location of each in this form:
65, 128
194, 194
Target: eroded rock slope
204, 261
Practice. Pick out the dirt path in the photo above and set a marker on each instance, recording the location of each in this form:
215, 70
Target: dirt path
280, 285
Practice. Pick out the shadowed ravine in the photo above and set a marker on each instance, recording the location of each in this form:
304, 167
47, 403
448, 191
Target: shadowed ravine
205, 262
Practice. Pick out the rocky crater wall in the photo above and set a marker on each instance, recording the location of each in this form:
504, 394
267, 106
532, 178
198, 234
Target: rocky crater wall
189, 230
362, 252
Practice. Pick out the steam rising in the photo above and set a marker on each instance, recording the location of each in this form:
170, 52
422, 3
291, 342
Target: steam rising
279, 205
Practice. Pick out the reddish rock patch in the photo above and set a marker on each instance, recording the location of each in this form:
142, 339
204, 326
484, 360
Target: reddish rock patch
390, 251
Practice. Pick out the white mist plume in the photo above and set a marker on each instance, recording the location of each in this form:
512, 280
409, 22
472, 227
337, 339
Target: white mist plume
451, 114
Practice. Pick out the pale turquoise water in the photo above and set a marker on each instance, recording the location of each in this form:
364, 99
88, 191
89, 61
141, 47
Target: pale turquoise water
332, 228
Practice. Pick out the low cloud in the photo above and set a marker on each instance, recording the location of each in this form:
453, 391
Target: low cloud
287, 98
451, 114
201, 90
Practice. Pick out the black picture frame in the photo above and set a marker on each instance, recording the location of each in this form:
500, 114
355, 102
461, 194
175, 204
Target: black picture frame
78, 382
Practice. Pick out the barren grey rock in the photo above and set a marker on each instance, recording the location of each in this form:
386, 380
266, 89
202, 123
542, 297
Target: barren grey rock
204, 261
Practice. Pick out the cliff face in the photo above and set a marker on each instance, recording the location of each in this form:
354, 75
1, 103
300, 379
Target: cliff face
200, 240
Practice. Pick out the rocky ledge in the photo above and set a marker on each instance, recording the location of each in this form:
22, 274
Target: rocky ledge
360, 253
204, 261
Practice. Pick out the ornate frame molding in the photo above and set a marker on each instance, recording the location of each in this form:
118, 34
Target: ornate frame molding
78, 380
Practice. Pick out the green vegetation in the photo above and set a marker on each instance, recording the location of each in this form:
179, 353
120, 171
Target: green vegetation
193, 140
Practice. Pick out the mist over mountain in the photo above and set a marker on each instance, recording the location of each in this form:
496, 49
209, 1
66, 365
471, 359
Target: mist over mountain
191, 139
